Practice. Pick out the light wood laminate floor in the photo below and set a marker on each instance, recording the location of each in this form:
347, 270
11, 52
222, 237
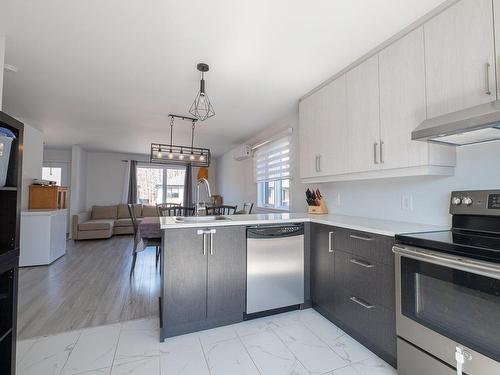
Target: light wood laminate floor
89, 286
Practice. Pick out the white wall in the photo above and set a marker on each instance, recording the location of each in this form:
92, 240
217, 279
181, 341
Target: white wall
78, 196
106, 172
60, 155
2, 61
32, 161
235, 179
105, 176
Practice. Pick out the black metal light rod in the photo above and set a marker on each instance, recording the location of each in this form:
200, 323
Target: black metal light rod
183, 117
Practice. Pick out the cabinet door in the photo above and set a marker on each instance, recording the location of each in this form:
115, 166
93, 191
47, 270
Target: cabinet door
459, 57
332, 136
185, 278
226, 289
363, 121
307, 129
322, 266
402, 102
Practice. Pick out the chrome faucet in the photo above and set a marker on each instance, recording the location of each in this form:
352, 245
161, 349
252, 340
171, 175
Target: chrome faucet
197, 204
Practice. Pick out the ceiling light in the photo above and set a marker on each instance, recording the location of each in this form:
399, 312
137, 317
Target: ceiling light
201, 107
196, 156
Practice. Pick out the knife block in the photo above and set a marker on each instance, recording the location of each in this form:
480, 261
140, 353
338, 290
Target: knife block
319, 210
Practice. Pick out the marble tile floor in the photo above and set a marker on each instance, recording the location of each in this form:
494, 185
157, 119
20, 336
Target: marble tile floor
298, 343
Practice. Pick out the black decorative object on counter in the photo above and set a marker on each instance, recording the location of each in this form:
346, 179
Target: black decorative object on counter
10, 203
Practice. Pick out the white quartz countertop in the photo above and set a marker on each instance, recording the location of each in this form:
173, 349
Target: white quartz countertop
43, 212
378, 226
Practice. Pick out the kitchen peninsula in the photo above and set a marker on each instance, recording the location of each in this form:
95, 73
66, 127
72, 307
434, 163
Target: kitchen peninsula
204, 272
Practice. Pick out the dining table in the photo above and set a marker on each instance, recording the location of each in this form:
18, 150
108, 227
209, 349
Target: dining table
149, 229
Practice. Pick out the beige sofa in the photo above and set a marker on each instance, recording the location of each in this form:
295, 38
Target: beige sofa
106, 221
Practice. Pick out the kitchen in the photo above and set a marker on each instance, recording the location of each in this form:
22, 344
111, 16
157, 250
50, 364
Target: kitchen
363, 234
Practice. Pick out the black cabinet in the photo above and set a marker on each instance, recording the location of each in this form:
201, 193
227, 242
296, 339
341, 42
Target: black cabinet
322, 266
204, 278
10, 202
352, 281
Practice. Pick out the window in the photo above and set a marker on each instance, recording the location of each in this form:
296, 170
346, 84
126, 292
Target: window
272, 174
160, 184
52, 174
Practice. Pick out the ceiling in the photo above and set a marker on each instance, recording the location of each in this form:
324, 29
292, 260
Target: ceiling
105, 74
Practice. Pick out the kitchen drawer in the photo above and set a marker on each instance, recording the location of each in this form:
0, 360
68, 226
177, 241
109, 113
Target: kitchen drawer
367, 245
374, 326
366, 279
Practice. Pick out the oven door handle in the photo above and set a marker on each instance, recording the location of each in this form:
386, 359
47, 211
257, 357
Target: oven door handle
464, 264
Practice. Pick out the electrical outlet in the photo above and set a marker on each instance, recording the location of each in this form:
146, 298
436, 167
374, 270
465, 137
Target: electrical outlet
407, 202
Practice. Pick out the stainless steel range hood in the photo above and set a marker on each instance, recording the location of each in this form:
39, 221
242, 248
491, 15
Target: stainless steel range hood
472, 125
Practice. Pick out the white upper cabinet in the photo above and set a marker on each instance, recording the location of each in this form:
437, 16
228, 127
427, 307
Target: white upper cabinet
459, 57
402, 101
322, 131
362, 87
496, 17
307, 128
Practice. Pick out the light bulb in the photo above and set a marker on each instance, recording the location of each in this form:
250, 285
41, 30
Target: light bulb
202, 158
191, 157
170, 155
181, 156
160, 155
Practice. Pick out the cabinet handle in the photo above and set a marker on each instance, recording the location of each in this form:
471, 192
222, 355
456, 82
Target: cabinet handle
330, 249
360, 238
375, 145
361, 263
487, 79
212, 246
319, 163
359, 301
204, 233
381, 152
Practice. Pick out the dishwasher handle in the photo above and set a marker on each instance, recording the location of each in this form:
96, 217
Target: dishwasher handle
275, 231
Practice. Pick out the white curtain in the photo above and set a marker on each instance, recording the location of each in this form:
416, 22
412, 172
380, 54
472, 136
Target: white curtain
126, 182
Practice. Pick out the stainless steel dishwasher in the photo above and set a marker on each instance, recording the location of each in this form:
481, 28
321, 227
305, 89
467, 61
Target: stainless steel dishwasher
275, 267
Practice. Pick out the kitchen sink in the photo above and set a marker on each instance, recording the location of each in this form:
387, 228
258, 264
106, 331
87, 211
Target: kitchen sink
199, 219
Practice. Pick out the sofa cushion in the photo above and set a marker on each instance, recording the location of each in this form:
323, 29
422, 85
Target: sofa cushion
149, 211
125, 222
104, 212
123, 211
98, 224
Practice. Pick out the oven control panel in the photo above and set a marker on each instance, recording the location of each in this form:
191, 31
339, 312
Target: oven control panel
475, 202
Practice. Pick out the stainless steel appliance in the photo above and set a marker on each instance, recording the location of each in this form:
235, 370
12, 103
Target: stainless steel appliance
275, 267
471, 125
448, 292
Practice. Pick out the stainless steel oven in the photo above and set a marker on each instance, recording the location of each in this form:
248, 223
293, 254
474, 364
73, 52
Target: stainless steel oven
448, 307
448, 292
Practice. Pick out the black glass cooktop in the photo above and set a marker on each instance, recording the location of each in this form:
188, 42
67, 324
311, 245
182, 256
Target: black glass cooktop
471, 244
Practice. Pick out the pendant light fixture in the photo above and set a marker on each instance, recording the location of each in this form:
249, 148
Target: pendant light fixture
201, 107
173, 154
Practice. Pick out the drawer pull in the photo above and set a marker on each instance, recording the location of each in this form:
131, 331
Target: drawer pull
361, 263
330, 248
359, 301
361, 238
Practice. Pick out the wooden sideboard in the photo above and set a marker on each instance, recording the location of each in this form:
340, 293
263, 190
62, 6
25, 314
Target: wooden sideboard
48, 197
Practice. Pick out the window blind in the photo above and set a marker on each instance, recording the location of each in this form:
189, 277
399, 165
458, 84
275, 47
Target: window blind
273, 161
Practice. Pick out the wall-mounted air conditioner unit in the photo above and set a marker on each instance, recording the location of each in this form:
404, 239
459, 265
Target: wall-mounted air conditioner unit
243, 152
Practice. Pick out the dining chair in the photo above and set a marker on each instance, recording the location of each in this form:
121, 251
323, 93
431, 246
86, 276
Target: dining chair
137, 239
221, 210
175, 210
247, 208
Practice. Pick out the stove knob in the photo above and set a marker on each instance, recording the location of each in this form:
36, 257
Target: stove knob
467, 201
456, 201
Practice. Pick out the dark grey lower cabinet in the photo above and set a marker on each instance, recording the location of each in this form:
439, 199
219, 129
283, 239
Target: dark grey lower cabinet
322, 266
353, 285
203, 279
